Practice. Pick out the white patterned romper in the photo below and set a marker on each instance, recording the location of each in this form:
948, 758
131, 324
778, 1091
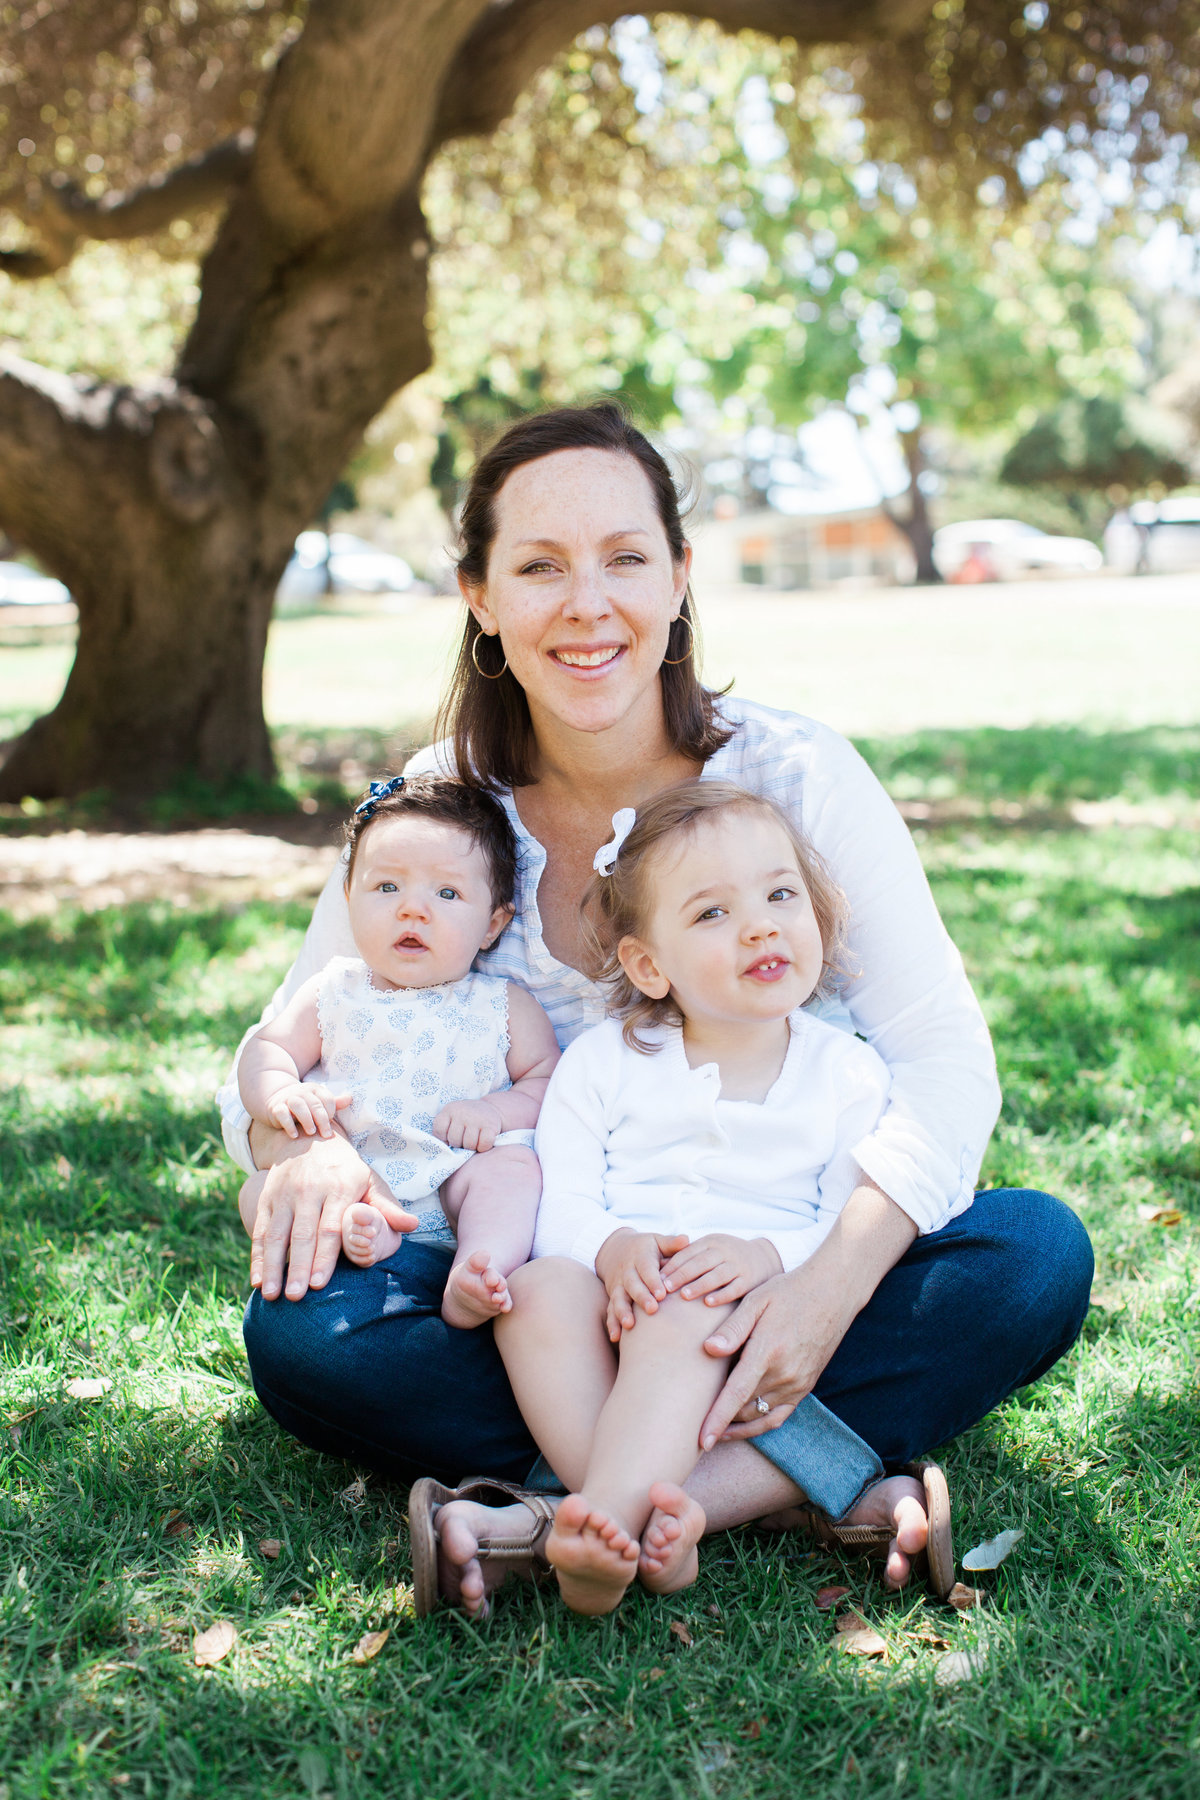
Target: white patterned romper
404, 1053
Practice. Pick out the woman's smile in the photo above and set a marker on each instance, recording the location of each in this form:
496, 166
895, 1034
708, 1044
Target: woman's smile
588, 661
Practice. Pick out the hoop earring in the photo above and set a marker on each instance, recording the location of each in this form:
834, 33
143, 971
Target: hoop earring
475, 659
674, 662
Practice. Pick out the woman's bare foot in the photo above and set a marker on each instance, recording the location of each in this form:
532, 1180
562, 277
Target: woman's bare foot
594, 1556
462, 1525
896, 1500
668, 1561
475, 1292
367, 1238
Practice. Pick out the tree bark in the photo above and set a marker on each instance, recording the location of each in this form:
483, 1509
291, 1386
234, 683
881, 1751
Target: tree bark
916, 524
170, 512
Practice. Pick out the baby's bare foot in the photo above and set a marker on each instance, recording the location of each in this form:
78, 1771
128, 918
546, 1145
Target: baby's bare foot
668, 1560
595, 1557
366, 1235
475, 1293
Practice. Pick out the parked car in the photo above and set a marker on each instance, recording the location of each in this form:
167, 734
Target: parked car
1154, 537
1005, 549
22, 586
341, 564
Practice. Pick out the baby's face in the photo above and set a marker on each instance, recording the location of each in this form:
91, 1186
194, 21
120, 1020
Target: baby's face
420, 902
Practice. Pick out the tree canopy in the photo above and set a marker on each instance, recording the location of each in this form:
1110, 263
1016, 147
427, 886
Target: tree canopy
288, 149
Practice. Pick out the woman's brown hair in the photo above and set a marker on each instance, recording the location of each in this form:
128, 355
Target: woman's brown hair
486, 716
618, 905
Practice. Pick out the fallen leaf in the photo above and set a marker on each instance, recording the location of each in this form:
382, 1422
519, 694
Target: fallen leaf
213, 1645
680, 1630
1160, 1215
270, 1548
850, 1766
655, 1674
369, 1645
754, 1729
88, 1387
177, 1526
959, 1665
992, 1552
62, 1167
963, 1598
714, 1610
829, 1596
295, 1597
356, 1493
852, 1621
861, 1643
934, 1639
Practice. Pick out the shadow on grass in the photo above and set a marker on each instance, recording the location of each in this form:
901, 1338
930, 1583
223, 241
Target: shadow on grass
1040, 765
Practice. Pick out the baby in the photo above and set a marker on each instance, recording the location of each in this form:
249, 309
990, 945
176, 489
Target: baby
435, 1072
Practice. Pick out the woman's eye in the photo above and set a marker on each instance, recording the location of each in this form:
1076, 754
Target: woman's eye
629, 556
537, 568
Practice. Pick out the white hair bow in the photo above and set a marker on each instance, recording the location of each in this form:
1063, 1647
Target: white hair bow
606, 856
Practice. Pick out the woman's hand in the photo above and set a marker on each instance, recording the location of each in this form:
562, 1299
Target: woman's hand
629, 1263
299, 1218
788, 1328
718, 1268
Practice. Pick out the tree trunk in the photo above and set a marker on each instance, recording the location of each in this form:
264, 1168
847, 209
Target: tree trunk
916, 525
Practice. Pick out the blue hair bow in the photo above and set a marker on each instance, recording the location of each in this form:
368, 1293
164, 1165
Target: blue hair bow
378, 790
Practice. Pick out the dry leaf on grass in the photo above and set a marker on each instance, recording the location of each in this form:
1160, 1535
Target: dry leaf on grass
829, 1596
213, 1645
176, 1526
655, 1674
62, 1167
754, 1729
680, 1630
1160, 1215
852, 1621
861, 1643
992, 1552
88, 1387
959, 1665
369, 1645
934, 1639
963, 1598
270, 1547
355, 1494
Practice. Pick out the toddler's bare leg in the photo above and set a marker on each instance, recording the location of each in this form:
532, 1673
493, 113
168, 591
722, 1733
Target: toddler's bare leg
492, 1203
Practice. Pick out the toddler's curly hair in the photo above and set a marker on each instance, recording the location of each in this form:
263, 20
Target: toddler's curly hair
619, 905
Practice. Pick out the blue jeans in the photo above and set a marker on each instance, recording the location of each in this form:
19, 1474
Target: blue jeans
365, 1369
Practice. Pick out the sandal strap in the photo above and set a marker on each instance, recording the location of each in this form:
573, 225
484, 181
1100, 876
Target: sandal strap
524, 1545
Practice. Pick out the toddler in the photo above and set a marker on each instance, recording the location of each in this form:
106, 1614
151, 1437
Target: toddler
699, 1141
434, 1071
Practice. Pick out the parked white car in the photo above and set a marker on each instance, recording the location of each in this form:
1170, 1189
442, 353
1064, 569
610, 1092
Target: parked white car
1154, 537
1005, 549
354, 567
22, 586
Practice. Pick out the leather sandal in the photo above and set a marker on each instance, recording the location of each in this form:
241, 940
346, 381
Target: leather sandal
428, 1496
935, 1563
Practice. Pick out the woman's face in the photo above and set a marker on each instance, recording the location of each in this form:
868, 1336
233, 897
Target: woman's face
582, 588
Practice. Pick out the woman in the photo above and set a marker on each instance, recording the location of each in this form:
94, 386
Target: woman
576, 694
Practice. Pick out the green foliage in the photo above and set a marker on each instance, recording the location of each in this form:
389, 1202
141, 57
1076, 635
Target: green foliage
1084, 448
130, 1522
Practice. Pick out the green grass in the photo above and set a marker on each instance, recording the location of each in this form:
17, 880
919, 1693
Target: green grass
131, 1521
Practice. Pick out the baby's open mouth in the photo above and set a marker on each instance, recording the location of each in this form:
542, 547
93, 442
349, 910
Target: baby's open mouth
409, 943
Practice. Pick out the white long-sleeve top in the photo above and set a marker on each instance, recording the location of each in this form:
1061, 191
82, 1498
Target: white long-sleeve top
911, 1000
642, 1140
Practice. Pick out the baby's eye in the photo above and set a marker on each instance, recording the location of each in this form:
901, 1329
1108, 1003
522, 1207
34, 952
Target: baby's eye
387, 887
447, 893
710, 912
783, 893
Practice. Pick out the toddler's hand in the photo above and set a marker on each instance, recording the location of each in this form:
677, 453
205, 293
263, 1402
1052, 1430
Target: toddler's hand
718, 1268
469, 1125
629, 1264
308, 1105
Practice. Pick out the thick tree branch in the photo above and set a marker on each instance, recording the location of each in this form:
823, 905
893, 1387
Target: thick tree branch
516, 38
62, 217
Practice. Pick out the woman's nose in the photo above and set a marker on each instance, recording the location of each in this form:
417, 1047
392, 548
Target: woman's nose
586, 597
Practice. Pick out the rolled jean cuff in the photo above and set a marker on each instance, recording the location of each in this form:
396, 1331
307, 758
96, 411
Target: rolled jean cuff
821, 1455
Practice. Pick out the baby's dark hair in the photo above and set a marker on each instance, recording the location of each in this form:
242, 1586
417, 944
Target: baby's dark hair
455, 803
618, 906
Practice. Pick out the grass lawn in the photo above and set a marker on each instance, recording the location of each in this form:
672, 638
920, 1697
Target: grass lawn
134, 1519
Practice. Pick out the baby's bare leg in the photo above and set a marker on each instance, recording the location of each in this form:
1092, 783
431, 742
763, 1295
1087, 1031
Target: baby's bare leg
492, 1203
